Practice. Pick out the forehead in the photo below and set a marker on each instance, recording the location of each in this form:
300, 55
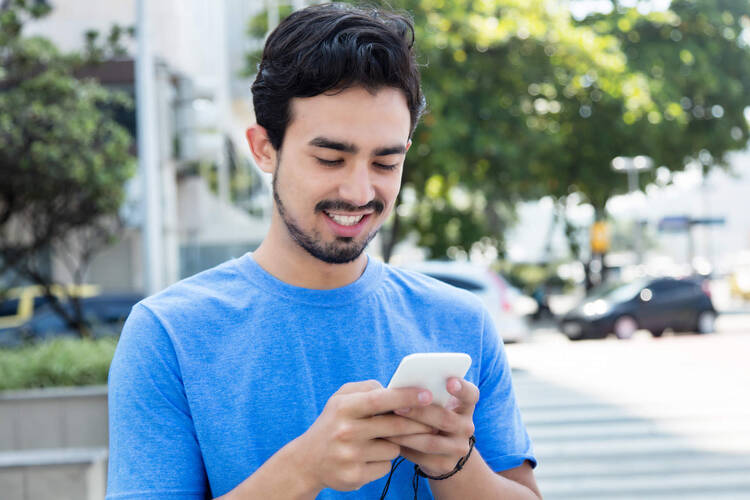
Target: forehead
354, 115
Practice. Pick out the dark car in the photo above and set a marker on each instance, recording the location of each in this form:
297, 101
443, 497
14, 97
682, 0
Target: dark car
105, 314
654, 304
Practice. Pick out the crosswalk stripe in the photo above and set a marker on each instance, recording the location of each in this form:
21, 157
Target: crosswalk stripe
589, 449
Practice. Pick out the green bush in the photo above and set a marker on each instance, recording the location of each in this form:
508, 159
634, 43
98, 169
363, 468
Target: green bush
60, 362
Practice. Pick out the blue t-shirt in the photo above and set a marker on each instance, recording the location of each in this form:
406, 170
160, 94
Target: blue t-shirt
216, 373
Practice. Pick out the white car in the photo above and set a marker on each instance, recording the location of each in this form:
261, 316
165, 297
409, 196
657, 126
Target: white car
507, 306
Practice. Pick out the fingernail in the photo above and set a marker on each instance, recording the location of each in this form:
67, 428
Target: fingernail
402, 411
424, 397
455, 385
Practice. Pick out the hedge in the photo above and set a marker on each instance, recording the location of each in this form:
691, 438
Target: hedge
59, 362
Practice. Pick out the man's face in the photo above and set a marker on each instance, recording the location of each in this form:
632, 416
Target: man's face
338, 171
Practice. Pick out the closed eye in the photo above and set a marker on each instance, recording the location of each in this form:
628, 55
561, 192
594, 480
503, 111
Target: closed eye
385, 166
329, 162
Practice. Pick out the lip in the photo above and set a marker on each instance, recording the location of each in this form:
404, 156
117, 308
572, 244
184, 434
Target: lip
346, 214
347, 231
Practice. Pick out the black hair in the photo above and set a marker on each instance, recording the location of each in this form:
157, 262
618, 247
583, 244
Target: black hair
332, 47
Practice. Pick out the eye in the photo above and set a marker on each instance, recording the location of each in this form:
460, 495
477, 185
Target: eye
384, 166
329, 163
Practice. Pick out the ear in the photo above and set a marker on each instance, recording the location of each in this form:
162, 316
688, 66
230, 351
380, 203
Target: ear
261, 147
408, 144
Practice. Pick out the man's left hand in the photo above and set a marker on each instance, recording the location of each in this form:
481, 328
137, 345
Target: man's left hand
439, 452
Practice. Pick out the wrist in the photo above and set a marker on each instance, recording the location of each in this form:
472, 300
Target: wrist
440, 476
300, 469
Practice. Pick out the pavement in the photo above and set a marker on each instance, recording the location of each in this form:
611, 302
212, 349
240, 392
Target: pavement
643, 419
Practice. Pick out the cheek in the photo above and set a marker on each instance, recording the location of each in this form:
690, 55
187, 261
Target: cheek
392, 188
389, 193
297, 183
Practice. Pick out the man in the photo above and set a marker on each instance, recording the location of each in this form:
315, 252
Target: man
263, 377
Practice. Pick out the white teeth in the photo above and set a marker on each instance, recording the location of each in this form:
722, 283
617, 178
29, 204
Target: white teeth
346, 220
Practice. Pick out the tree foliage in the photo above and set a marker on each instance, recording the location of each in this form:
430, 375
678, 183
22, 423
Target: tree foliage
63, 158
697, 60
501, 78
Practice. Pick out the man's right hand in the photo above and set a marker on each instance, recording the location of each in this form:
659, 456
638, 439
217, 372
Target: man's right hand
344, 449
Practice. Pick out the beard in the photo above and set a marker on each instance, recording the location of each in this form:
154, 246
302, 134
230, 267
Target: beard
340, 251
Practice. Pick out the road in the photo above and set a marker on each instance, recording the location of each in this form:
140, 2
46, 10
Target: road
643, 419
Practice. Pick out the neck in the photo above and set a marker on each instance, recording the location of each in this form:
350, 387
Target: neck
285, 260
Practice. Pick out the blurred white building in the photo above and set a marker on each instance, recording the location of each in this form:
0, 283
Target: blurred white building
215, 203
722, 194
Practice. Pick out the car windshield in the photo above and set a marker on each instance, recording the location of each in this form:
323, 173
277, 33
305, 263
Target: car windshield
624, 292
465, 283
603, 289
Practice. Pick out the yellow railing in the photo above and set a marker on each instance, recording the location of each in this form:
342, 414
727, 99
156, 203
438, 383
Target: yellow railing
27, 294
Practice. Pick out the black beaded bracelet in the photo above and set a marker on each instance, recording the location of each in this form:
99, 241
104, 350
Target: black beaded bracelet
459, 465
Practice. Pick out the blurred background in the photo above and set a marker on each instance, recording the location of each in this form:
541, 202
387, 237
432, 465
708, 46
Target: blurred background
583, 167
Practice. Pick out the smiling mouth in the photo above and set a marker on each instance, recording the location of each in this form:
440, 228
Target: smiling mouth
345, 220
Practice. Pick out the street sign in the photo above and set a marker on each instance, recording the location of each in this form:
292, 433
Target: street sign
709, 221
682, 223
674, 224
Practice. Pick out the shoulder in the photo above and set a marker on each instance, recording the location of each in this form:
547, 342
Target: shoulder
217, 288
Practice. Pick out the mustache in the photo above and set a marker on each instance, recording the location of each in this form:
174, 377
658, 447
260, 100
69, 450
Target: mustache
327, 205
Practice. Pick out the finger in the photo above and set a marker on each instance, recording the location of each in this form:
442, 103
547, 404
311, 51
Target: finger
379, 401
380, 450
465, 392
431, 464
360, 386
375, 470
440, 418
434, 444
388, 425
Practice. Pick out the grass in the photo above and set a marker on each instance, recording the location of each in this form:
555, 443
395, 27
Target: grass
60, 362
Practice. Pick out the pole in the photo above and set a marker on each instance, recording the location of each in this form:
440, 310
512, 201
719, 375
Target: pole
632, 166
632, 188
273, 15
221, 101
148, 155
708, 228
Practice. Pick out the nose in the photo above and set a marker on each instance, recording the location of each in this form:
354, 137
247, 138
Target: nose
356, 187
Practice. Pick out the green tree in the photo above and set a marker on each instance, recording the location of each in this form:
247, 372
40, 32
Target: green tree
692, 67
63, 158
697, 58
502, 79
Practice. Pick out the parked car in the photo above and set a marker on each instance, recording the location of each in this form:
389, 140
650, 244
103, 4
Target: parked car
654, 304
506, 304
104, 314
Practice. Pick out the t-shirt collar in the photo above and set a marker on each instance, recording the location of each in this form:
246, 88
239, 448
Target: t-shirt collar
334, 297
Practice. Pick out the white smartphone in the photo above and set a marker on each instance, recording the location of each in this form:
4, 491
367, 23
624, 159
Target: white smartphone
431, 370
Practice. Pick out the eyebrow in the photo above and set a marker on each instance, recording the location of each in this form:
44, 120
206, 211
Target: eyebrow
392, 150
346, 147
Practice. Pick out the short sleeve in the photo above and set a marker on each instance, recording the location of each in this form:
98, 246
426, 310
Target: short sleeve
501, 435
153, 449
